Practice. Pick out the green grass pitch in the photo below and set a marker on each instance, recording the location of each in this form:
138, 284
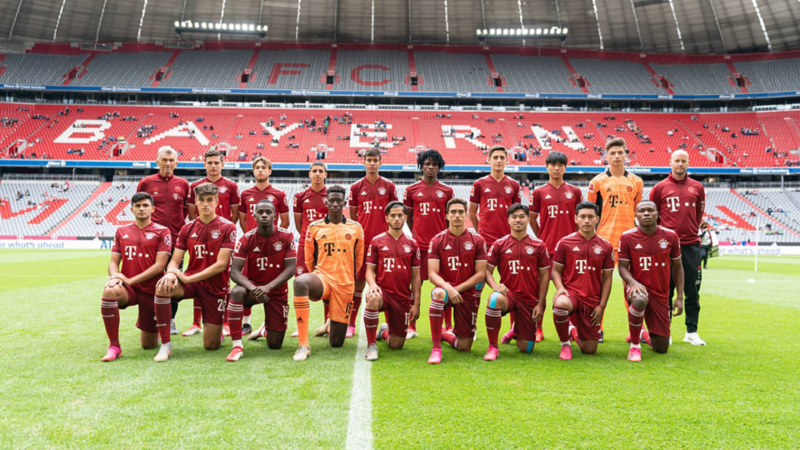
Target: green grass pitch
740, 391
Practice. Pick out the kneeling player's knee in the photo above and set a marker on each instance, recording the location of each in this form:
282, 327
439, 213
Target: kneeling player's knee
275, 345
562, 302
374, 302
211, 345
439, 294
114, 292
525, 346
639, 302
498, 301
396, 344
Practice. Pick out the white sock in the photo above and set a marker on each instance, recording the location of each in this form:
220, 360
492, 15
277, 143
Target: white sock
565, 343
571, 327
246, 320
636, 345
238, 343
167, 346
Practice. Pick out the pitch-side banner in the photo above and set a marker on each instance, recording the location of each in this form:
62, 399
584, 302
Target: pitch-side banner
53, 243
751, 250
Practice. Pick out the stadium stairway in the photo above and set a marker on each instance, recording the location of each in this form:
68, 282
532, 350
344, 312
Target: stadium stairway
99, 191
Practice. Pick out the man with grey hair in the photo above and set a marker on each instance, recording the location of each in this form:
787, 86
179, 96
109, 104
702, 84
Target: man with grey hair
169, 198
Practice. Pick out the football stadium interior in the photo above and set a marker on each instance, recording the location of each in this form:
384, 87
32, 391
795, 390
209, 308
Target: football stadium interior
92, 90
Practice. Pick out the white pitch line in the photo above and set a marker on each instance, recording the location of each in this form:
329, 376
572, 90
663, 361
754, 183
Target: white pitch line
359, 426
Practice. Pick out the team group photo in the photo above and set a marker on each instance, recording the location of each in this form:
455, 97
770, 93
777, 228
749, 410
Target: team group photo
370, 224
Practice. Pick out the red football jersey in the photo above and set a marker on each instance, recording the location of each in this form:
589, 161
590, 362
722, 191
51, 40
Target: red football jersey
493, 199
457, 256
584, 262
394, 259
265, 257
250, 198
204, 243
313, 207
556, 209
169, 198
428, 204
681, 205
228, 196
518, 263
138, 248
650, 258
371, 200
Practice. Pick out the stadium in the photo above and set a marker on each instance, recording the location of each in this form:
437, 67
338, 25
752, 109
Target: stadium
127, 129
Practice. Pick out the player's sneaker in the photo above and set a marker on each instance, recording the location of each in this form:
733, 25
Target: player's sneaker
302, 353
372, 352
236, 354
602, 334
635, 354
257, 333
384, 326
694, 339
295, 333
411, 333
491, 354
539, 336
566, 353
173, 330
194, 329
351, 331
645, 337
163, 353
112, 353
436, 356
508, 337
226, 330
247, 329
670, 340
322, 331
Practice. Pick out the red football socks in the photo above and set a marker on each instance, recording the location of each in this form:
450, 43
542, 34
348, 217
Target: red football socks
435, 314
635, 319
356, 305
197, 313
327, 308
385, 335
561, 321
163, 306
109, 308
448, 318
513, 317
494, 320
371, 319
235, 314
450, 338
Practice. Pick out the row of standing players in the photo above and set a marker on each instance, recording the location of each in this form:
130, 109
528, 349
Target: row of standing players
457, 278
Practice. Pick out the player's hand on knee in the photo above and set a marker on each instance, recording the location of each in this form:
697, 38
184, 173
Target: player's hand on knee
502, 289
260, 294
597, 315
677, 306
373, 291
560, 292
113, 282
538, 312
453, 295
638, 289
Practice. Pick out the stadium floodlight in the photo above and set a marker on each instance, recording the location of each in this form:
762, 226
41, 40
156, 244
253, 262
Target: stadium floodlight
491, 32
220, 28
196, 25
519, 31
224, 26
478, 32
505, 31
544, 31
251, 27
177, 24
238, 27
538, 31
217, 26
485, 32
564, 31
558, 31
203, 25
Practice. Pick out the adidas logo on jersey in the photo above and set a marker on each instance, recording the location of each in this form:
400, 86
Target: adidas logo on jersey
420, 195
125, 237
307, 201
363, 192
256, 249
509, 251
194, 234
638, 246
548, 196
576, 249
487, 190
448, 247
251, 199
385, 248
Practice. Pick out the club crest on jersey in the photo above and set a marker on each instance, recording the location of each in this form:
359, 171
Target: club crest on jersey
300, 270
223, 190
439, 193
468, 245
692, 190
407, 248
348, 237
382, 190
508, 189
568, 195
271, 198
663, 243
215, 234
278, 246
629, 189
598, 249
177, 189
529, 250
149, 235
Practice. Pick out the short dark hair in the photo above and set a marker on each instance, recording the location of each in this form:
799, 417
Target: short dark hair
261, 159
372, 152
555, 158
336, 189
213, 153
139, 196
433, 155
267, 202
617, 142
497, 148
586, 205
454, 201
319, 163
206, 189
392, 205
516, 207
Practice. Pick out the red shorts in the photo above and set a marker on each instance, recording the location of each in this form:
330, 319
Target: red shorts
362, 274
396, 314
212, 305
423, 268
524, 326
147, 312
465, 315
582, 310
276, 313
656, 315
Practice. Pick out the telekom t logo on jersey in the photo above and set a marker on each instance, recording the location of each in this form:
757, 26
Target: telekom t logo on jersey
646, 262
491, 203
452, 262
581, 265
552, 210
424, 208
130, 251
200, 250
262, 263
388, 264
514, 266
367, 206
311, 213
673, 203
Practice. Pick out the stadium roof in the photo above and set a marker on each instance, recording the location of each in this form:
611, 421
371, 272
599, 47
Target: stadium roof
664, 26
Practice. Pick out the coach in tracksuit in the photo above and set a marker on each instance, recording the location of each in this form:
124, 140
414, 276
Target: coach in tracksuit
681, 202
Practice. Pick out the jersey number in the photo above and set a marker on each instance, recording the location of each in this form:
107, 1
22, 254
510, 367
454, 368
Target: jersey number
221, 306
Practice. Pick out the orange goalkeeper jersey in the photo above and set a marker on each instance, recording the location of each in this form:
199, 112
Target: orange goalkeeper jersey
616, 198
335, 250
